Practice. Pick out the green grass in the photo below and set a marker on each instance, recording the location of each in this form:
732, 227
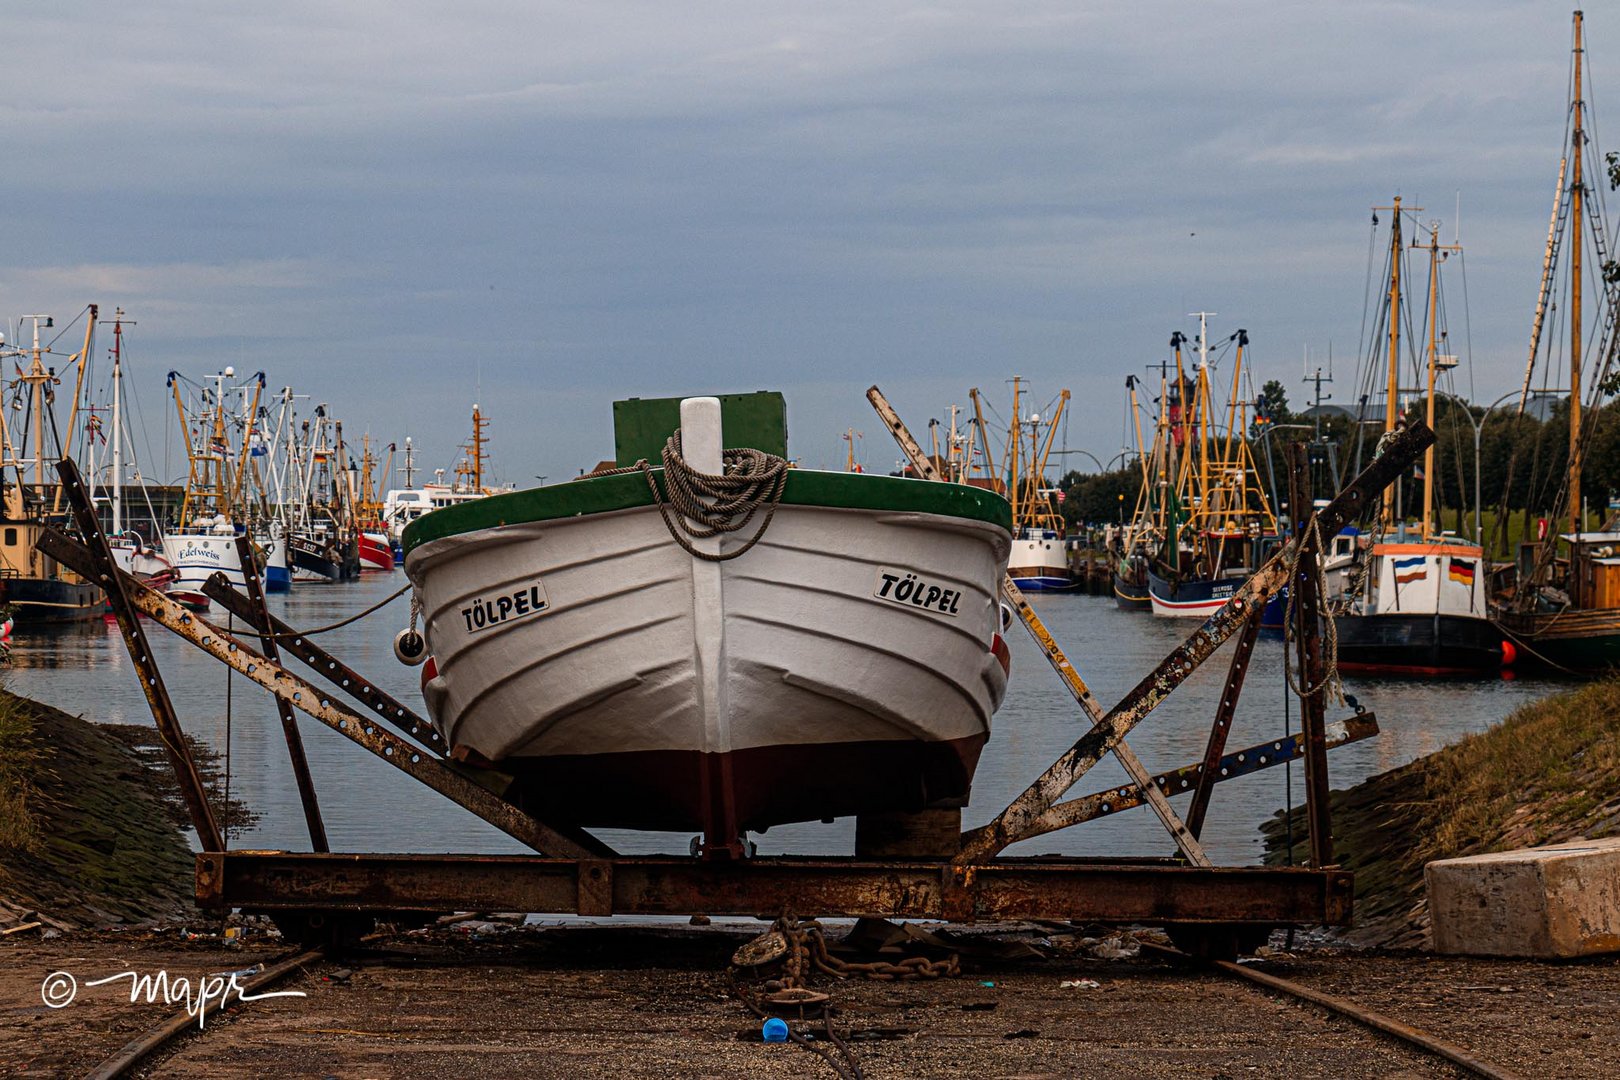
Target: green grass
20, 755
1549, 772
1461, 522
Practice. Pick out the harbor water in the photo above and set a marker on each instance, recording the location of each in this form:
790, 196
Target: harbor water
368, 806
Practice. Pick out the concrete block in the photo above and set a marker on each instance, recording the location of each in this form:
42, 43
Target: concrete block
1550, 903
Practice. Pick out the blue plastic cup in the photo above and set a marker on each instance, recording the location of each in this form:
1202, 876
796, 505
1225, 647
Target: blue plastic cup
774, 1030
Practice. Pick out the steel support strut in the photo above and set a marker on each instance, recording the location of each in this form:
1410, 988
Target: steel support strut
323, 663
1308, 642
409, 759
1185, 840
284, 709
1222, 727
97, 565
1228, 767
1033, 812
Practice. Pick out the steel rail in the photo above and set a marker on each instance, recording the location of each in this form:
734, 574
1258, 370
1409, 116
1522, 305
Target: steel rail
1459, 1056
1231, 766
1215, 749
155, 1038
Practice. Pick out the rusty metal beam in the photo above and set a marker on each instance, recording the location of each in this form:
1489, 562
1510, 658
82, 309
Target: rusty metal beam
1030, 813
1091, 891
324, 664
411, 760
1230, 767
98, 565
1222, 727
1185, 839
1311, 670
284, 709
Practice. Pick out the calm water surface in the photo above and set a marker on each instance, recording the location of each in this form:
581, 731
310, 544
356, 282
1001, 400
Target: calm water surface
368, 806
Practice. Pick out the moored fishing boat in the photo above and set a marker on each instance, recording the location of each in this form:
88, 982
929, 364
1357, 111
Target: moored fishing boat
1131, 580
376, 552
1413, 604
205, 541
1563, 610
1421, 611
314, 557
1038, 560
1218, 526
835, 654
36, 588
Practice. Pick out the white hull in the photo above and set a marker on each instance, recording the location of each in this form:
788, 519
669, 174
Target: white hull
143, 563
1039, 563
197, 557
795, 648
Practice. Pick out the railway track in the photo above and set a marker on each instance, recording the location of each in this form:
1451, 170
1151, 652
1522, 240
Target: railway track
1459, 1056
843, 1062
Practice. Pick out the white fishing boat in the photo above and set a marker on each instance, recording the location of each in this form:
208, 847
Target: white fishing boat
1038, 560
133, 552
841, 657
205, 542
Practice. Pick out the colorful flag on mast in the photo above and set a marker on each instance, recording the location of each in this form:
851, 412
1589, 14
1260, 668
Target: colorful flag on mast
1415, 568
1462, 571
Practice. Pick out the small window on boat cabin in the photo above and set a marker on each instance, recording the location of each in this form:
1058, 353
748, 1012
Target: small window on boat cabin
11, 538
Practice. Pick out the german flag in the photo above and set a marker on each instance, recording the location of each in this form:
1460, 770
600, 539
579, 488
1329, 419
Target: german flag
1461, 571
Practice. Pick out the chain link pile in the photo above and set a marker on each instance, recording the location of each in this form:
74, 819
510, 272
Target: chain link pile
807, 951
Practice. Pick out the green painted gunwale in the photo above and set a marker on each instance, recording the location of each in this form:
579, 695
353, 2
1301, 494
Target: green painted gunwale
626, 491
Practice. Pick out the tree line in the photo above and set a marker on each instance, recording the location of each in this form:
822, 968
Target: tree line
1535, 452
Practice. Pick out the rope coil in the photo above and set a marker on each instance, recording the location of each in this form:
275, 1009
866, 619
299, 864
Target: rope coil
1330, 665
720, 504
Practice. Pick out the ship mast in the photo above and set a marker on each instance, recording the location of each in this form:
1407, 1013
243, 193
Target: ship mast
1014, 475
36, 378
1576, 193
1393, 390
117, 424
1435, 248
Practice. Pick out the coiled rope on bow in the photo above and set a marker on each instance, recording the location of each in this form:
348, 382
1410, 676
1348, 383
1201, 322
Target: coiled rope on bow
720, 504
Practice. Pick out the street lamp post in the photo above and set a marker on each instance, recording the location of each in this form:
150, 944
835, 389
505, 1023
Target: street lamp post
1479, 427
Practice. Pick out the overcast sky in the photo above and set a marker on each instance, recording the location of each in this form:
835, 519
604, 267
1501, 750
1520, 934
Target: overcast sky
401, 208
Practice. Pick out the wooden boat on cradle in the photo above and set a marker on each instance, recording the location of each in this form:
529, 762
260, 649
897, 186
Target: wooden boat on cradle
842, 658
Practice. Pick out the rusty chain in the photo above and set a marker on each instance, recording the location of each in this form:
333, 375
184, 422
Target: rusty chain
807, 951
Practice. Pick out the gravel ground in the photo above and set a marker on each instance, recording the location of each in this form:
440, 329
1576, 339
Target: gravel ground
637, 1002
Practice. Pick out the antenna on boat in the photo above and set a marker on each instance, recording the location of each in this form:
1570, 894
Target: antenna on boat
1203, 335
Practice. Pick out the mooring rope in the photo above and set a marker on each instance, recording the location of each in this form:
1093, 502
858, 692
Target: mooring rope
719, 504
1330, 667
378, 606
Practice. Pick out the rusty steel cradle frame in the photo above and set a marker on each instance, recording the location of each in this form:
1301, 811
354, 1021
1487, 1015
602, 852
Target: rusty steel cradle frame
574, 872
